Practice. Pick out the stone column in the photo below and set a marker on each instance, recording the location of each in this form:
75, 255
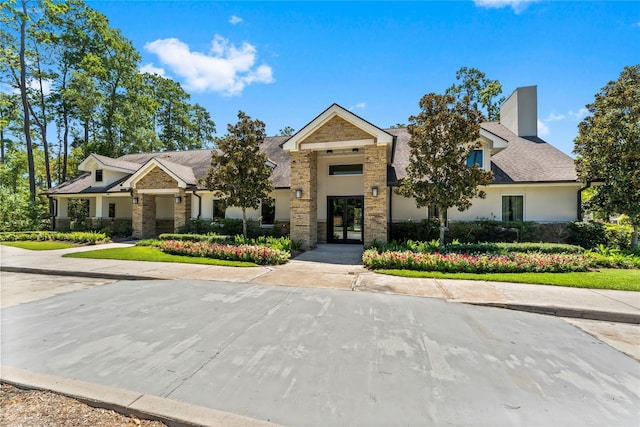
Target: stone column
375, 208
304, 210
181, 211
143, 219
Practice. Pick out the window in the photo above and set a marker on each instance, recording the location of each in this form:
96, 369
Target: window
268, 211
345, 169
112, 210
512, 208
219, 208
475, 158
98, 175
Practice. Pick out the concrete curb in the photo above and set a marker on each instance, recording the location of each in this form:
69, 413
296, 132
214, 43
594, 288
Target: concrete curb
171, 412
577, 313
89, 274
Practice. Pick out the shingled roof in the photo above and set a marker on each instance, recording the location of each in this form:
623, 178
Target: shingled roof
525, 160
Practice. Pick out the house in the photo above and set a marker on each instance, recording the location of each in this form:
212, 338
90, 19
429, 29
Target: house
333, 180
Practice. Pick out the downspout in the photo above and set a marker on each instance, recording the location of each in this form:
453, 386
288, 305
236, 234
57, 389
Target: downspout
199, 204
390, 232
588, 185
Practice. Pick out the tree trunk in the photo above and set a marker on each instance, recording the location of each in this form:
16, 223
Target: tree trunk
443, 225
25, 104
634, 237
244, 222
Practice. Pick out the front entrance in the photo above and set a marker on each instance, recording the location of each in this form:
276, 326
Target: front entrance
345, 217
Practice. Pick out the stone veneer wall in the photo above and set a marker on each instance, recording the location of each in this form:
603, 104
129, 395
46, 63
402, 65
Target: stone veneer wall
181, 211
336, 129
304, 211
375, 208
322, 232
144, 213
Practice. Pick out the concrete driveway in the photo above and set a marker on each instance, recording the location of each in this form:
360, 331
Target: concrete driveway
320, 357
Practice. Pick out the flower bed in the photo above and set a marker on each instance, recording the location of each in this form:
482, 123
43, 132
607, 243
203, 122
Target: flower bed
256, 254
485, 263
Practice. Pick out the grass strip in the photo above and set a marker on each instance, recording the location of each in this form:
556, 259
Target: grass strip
33, 245
617, 279
146, 253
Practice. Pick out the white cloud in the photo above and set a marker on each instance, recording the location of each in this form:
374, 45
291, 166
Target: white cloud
358, 106
235, 20
151, 69
578, 114
35, 84
543, 129
555, 117
517, 5
225, 68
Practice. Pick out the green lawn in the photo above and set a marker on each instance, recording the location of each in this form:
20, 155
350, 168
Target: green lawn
146, 253
619, 279
39, 245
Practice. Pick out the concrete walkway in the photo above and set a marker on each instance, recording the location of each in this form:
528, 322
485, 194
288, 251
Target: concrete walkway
338, 267
328, 266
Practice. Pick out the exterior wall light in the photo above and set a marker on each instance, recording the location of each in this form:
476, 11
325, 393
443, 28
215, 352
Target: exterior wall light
298, 193
329, 151
374, 191
178, 199
135, 200
355, 150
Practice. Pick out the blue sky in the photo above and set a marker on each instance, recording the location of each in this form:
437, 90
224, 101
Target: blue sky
285, 62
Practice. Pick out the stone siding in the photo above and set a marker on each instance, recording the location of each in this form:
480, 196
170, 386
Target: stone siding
336, 129
322, 232
182, 211
155, 179
304, 211
375, 208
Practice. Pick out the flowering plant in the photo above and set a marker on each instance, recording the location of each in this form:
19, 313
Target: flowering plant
480, 263
256, 254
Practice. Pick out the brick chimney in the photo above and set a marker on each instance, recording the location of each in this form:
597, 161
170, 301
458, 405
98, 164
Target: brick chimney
519, 113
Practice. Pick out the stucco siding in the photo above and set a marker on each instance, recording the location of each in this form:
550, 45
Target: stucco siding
236, 213
164, 207
404, 209
340, 185
283, 204
541, 204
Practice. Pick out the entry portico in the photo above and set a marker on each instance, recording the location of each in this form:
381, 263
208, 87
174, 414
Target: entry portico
339, 189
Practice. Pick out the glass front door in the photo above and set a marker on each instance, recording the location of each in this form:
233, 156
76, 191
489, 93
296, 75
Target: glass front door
345, 217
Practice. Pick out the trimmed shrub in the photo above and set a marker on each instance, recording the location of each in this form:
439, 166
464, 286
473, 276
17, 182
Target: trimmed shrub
425, 230
209, 238
588, 234
486, 230
505, 248
618, 236
74, 237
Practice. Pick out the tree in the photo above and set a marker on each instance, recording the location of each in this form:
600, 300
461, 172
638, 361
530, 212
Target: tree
287, 131
399, 126
443, 135
240, 170
480, 90
608, 148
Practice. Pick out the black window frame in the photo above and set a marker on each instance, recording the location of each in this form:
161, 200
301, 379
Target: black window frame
99, 175
346, 169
